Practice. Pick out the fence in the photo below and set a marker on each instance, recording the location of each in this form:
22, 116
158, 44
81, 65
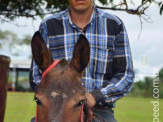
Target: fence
4, 70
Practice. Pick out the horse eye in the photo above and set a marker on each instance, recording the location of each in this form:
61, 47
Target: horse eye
37, 101
80, 103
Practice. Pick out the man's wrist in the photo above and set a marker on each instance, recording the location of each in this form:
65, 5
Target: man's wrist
99, 97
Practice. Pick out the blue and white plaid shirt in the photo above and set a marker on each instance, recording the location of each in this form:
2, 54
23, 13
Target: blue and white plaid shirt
110, 69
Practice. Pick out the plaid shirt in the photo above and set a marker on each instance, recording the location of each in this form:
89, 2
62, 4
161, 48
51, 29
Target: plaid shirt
110, 69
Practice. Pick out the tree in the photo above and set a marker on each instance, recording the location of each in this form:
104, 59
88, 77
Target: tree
10, 41
161, 83
144, 88
11, 38
161, 75
11, 9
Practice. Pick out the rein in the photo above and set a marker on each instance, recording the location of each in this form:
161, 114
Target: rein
43, 75
82, 114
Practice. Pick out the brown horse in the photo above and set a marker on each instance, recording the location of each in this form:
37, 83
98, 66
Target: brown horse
60, 95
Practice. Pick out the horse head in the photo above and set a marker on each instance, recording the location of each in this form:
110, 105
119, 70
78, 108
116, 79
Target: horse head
60, 95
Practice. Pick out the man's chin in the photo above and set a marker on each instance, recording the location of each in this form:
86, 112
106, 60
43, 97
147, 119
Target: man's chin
81, 8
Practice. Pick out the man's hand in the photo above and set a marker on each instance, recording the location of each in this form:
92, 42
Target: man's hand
90, 100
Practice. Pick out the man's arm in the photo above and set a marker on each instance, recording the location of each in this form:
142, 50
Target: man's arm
35, 73
123, 75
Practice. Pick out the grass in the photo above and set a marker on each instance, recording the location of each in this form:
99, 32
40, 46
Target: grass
136, 110
21, 108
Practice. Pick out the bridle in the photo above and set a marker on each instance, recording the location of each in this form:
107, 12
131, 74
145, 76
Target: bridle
43, 75
49, 68
82, 114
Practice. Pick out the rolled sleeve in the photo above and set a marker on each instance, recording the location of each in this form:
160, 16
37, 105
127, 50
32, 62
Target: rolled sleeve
123, 74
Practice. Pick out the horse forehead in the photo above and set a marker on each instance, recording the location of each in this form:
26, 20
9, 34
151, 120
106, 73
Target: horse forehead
61, 77
63, 70
64, 95
64, 77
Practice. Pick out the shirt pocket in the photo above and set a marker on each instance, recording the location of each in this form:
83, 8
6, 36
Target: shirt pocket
101, 58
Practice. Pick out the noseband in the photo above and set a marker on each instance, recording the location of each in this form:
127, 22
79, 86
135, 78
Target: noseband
43, 75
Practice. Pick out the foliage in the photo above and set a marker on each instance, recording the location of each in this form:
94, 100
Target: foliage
10, 40
11, 9
26, 40
6, 36
145, 88
161, 75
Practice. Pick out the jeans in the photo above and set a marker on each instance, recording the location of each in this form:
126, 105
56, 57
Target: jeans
33, 119
104, 115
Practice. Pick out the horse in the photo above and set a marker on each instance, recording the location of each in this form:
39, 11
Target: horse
60, 96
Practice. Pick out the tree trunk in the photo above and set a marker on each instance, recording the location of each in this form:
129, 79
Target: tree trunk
4, 72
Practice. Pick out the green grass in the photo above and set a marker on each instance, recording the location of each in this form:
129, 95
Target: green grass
21, 108
136, 110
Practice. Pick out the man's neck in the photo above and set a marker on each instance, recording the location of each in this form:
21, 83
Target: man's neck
81, 19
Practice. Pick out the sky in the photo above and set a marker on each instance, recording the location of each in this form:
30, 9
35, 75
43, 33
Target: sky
147, 50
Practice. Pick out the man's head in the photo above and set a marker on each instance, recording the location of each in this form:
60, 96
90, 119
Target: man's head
80, 5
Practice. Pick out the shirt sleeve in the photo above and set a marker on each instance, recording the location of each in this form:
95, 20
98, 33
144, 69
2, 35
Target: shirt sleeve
35, 73
123, 74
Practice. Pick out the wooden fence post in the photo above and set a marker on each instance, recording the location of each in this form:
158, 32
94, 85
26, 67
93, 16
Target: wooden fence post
4, 72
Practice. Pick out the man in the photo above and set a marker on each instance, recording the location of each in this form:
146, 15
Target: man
109, 75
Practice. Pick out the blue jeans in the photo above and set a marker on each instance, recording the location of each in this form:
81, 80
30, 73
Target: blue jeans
104, 115
33, 119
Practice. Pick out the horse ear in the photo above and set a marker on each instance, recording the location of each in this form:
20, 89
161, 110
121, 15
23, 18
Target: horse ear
81, 54
41, 54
